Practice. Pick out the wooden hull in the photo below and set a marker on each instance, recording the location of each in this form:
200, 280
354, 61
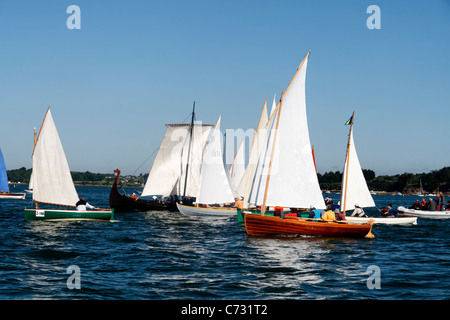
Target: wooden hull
258, 225
397, 220
59, 215
426, 214
123, 203
206, 212
12, 196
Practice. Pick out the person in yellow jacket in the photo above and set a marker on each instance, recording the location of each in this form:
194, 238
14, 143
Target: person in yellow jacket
329, 215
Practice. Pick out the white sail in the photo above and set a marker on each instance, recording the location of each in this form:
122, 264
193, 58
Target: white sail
167, 175
214, 184
237, 168
52, 181
274, 105
258, 143
293, 180
354, 186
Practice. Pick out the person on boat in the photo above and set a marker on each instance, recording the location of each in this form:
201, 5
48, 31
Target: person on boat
314, 213
424, 204
239, 203
279, 212
432, 206
329, 215
133, 196
392, 211
82, 205
328, 200
447, 206
415, 205
339, 215
384, 212
442, 202
358, 212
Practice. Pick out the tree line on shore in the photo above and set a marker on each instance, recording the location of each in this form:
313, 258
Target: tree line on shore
406, 183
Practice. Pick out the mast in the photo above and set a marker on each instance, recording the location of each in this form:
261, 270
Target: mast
347, 158
189, 149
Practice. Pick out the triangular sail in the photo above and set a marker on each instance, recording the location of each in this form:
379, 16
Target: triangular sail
214, 183
4, 187
257, 146
293, 180
354, 185
168, 171
237, 168
52, 181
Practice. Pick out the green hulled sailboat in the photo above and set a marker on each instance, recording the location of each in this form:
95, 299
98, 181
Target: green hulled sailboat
52, 181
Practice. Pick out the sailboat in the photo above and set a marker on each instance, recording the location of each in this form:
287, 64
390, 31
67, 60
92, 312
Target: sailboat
52, 181
286, 176
214, 188
5, 193
355, 190
175, 170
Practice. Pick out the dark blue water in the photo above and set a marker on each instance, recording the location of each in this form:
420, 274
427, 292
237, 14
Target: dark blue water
163, 255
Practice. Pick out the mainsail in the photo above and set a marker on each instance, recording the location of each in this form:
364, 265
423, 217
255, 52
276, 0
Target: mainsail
237, 168
4, 187
52, 181
354, 185
168, 172
214, 184
286, 175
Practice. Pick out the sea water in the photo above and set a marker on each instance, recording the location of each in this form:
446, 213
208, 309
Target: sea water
167, 256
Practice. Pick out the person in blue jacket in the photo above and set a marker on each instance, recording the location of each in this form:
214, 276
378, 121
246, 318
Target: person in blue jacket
392, 211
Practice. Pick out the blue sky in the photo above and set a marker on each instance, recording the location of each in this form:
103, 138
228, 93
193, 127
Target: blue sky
136, 65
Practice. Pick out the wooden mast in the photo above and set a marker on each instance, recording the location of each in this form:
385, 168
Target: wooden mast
347, 158
189, 149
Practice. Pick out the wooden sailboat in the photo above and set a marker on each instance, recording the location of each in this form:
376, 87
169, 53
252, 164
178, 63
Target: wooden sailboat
286, 176
5, 193
214, 188
175, 170
52, 181
355, 189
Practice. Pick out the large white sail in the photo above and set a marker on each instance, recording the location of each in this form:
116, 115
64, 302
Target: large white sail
237, 168
354, 185
293, 180
214, 183
167, 175
52, 181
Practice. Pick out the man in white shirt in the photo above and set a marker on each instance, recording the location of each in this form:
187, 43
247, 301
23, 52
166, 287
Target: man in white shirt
358, 212
82, 205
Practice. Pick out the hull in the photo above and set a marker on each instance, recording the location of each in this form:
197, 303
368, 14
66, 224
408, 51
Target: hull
123, 203
206, 212
426, 214
59, 215
399, 220
12, 196
258, 225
